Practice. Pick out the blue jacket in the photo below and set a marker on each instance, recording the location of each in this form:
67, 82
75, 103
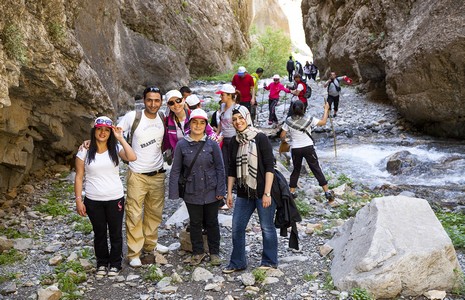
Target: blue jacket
207, 178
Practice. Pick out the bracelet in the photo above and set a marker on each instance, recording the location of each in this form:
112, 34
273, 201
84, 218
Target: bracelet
78, 198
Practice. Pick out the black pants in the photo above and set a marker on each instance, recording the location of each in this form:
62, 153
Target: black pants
335, 100
289, 75
272, 107
309, 154
107, 215
204, 216
313, 76
252, 109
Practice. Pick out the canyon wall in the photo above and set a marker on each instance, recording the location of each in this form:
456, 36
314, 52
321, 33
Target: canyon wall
63, 62
411, 53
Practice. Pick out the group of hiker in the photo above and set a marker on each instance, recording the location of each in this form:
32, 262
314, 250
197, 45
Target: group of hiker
209, 162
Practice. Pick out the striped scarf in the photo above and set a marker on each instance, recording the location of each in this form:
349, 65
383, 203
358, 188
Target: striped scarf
300, 123
247, 158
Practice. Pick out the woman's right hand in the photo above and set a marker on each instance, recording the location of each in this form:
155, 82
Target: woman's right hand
81, 208
229, 200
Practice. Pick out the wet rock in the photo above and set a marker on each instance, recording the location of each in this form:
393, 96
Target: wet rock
400, 162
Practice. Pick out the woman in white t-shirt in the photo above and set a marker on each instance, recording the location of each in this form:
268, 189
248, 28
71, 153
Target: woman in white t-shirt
299, 129
104, 193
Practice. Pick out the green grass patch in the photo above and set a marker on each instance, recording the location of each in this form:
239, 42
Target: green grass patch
83, 225
459, 283
340, 180
309, 277
454, 224
304, 208
328, 284
360, 294
53, 208
259, 275
10, 257
153, 274
218, 77
12, 233
68, 276
7, 277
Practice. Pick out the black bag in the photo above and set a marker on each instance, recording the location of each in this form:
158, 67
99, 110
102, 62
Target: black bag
308, 91
183, 178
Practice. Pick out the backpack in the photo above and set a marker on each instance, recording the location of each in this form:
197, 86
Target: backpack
136, 122
308, 91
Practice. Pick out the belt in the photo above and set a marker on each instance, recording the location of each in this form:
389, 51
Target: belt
153, 173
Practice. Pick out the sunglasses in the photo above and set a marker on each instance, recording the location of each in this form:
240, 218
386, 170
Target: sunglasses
108, 123
151, 89
171, 103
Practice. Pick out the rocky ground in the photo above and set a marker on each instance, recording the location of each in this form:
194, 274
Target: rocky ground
51, 247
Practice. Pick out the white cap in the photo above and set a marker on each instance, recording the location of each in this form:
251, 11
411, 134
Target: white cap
241, 70
276, 76
198, 113
173, 94
227, 88
192, 100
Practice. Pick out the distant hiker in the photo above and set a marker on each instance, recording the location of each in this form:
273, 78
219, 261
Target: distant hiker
204, 186
185, 91
298, 91
307, 70
274, 87
215, 120
298, 68
313, 71
300, 130
193, 102
256, 77
244, 83
290, 67
334, 90
104, 192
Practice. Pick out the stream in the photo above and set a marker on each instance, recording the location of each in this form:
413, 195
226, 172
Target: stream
367, 135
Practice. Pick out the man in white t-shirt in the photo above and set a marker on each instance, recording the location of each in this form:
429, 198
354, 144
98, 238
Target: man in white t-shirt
145, 179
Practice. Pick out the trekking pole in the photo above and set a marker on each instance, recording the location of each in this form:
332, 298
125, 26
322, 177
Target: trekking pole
334, 132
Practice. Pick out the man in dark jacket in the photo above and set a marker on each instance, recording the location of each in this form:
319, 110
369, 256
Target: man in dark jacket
290, 68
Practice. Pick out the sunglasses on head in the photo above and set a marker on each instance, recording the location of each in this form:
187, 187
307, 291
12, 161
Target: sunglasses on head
104, 122
152, 89
171, 102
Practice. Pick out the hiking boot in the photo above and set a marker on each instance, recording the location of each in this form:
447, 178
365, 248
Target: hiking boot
114, 271
215, 260
329, 195
196, 259
101, 271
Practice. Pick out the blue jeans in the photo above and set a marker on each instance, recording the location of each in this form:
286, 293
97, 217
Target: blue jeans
243, 209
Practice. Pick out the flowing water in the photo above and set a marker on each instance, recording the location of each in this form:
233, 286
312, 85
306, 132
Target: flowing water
367, 134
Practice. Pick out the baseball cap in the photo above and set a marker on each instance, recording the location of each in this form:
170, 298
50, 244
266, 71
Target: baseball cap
103, 122
173, 93
198, 113
276, 76
192, 100
227, 88
241, 70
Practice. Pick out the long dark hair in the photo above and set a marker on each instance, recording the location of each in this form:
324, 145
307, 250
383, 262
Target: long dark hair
111, 145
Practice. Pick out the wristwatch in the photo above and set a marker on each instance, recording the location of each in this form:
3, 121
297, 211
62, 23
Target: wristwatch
267, 194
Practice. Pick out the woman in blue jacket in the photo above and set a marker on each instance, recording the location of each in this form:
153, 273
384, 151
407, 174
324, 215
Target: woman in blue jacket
205, 185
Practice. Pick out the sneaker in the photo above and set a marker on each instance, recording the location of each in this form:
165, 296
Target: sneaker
329, 196
215, 260
229, 270
196, 259
266, 267
270, 123
101, 271
335, 115
135, 262
162, 249
114, 271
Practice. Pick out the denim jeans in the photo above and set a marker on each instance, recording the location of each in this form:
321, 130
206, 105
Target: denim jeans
243, 209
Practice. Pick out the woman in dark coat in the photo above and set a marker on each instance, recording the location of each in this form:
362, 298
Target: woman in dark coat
205, 185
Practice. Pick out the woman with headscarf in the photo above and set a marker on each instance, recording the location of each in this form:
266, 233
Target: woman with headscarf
104, 193
200, 156
251, 166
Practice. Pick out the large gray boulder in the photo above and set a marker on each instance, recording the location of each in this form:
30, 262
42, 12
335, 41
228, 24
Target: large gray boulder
394, 246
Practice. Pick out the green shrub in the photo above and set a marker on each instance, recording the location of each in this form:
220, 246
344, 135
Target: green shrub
12, 233
83, 225
328, 284
259, 275
454, 224
13, 42
56, 32
53, 208
153, 274
303, 207
360, 294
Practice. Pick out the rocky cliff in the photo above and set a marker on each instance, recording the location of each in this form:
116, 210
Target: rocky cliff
62, 62
409, 52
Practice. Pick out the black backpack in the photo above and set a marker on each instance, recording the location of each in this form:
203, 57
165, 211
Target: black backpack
308, 91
